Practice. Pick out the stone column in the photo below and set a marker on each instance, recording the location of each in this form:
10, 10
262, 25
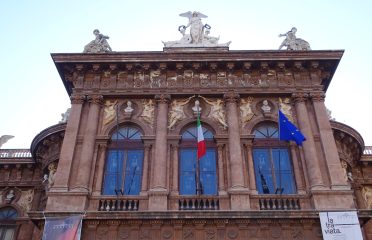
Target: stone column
239, 195
145, 171
87, 151
175, 175
328, 143
236, 158
68, 146
158, 191
296, 169
252, 176
100, 170
221, 175
312, 161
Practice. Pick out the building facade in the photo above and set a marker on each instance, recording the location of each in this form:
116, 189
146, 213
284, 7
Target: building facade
126, 158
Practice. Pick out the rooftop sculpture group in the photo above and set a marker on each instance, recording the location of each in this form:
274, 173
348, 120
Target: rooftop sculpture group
198, 37
199, 33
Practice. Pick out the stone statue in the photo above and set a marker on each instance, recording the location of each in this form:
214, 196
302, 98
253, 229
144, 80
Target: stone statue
129, 108
109, 111
176, 113
265, 106
148, 111
4, 139
199, 33
98, 45
65, 116
292, 42
246, 112
25, 201
196, 108
217, 111
52, 172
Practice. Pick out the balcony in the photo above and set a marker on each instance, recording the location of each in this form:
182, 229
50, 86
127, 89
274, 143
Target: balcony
117, 204
274, 202
198, 203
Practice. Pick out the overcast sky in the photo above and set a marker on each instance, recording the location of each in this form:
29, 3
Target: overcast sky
33, 96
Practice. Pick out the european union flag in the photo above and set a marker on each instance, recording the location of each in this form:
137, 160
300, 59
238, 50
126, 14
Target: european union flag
288, 131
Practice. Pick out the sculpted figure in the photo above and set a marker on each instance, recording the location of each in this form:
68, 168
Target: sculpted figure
65, 116
367, 195
199, 33
109, 111
176, 113
217, 112
4, 139
293, 43
148, 111
286, 108
265, 106
98, 45
52, 172
246, 110
195, 24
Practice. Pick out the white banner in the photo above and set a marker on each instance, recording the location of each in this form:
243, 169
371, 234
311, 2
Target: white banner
340, 226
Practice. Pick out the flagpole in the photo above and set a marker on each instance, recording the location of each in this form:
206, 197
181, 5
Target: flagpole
197, 161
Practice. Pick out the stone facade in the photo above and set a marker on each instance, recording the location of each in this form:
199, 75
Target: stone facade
237, 90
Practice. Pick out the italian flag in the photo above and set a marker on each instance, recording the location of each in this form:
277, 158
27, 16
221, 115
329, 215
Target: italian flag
201, 143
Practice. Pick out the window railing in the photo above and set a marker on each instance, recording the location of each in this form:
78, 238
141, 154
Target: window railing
118, 205
279, 203
199, 203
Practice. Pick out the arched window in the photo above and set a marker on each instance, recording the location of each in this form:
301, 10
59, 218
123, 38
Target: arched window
123, 171
192, 181
8, 216
272, 162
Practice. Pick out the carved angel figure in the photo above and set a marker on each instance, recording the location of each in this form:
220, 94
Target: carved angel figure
195, 24
217, 111
109, 111
148, 111
292, 42
246, 110
52, 173
176, 113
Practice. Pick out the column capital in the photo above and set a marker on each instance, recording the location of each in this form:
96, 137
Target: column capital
318, 96
231, 97
300, 96
95, 98
77, 98
162, 98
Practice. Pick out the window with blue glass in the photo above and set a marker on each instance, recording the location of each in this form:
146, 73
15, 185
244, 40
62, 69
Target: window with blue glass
197, 177
272, 162
123, 170
8, 226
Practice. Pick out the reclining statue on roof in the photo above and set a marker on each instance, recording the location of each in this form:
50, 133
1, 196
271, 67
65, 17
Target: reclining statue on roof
292, 42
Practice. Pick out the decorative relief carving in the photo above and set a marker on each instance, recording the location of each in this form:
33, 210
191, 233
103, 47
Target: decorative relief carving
188, 233
145, 234
221, 79
77, 98
176, 113
109, 111
217, 111
204, 79
148, 112
246, 112
102, 232
52, 168
317, 96
232, 233
155, 79
286, 108
139, 79
167, 233
25, 200
188, 76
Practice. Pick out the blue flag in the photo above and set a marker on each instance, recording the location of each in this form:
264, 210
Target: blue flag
288, 131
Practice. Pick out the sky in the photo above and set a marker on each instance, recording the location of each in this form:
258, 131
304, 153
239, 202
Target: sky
32, 94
